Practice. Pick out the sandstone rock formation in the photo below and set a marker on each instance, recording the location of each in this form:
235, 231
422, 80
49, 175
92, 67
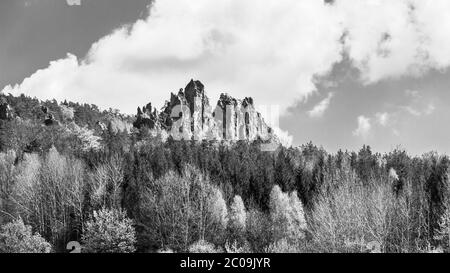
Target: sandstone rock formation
49, 119
189, 115
5, 109
146, 117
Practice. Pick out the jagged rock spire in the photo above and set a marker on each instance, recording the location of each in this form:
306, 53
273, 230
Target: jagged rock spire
188, 114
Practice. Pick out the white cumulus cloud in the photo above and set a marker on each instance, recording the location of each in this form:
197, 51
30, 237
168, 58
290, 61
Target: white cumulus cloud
270, 50
382, 118
321, 107
363, 128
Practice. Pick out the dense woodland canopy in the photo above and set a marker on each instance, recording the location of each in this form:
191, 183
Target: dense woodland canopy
65, 182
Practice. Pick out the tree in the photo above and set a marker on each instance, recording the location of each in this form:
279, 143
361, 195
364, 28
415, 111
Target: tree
399, 161
49, 192
284, 170
16, 237
288, 220
443, 233
258, 230
7, 174
178, 210
237, 220
238, 214
366, 163
437, 187
218, 209
109, 231
107, 183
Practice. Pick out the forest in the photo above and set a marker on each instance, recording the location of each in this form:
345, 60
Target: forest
121, 189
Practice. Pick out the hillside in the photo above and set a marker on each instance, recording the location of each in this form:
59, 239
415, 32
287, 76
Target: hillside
192, 178
187, 115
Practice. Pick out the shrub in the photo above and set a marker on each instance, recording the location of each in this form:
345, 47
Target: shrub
235, 247
203, 246
282, 246
166, 250
109, 231
16, 237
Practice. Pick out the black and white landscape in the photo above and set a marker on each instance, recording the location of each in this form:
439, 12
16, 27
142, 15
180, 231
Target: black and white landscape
225, 126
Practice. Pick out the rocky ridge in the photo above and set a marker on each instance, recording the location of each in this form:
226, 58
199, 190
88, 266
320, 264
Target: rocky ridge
189, 115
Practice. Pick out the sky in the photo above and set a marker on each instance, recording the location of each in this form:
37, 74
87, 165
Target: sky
339, 73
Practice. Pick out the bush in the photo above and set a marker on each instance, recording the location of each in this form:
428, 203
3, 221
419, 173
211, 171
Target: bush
166, 250
282, 246
16, 237
237, 248
109, 231
203, 246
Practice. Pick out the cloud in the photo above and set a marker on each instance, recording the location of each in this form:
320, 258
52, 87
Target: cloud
382, 118
73, 2
283, 136
428, 110
390, 39
270, 51
418, 105
414, 94
321, 107
363, 128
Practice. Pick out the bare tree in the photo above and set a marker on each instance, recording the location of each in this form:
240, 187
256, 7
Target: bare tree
49, 194
107, 182
181, 210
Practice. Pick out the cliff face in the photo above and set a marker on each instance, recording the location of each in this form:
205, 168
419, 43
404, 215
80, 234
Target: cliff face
189, 115
146, 117
5, 110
